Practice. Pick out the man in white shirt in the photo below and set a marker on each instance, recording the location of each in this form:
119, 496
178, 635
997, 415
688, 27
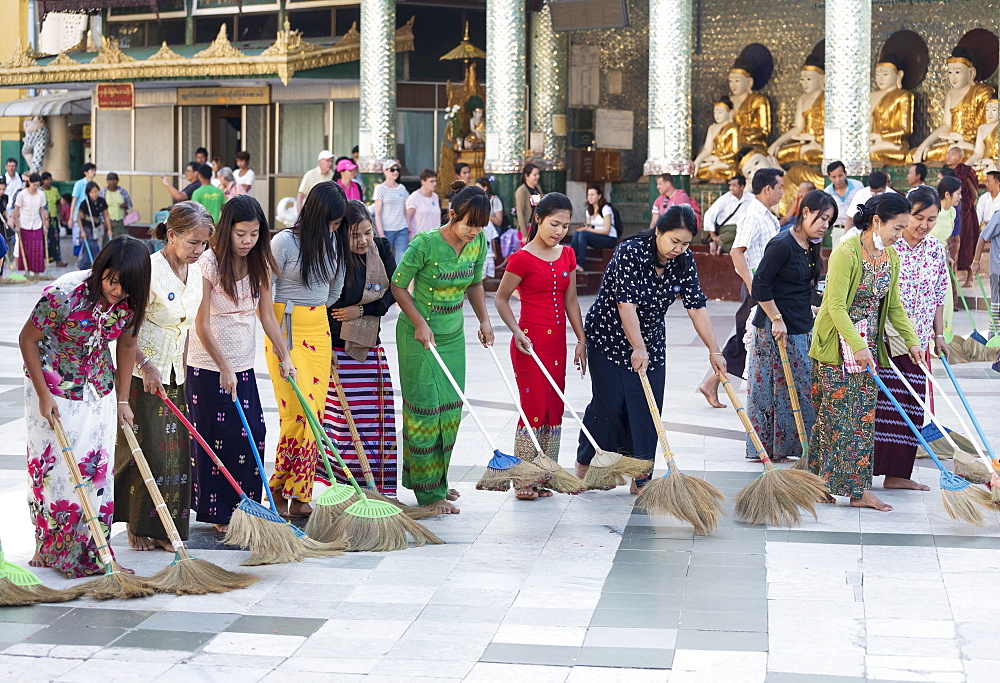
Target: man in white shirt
314, 176
990, 201
725, 211
754, 230
842, 189
916, 176
878, 183
14, 182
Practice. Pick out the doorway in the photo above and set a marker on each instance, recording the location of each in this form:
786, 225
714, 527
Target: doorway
227, 127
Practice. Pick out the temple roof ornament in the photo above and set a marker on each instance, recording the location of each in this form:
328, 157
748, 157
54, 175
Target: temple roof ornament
220, 48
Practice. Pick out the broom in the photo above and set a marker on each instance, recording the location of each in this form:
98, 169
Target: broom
270, 539
411, 511
775, 497
995, 464
793, 395
186, 575
561, 481
967, 469
368, 524
958, 496
975, 334
503, 470
607, 470
18, 586
994, 340
115, 583
680, 495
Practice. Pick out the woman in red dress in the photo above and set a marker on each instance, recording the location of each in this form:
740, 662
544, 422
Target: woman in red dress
544, 273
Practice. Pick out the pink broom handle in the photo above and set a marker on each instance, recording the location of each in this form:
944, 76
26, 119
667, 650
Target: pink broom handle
204, 444
562, 397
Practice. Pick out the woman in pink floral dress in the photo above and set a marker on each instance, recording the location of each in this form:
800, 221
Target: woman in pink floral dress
69, 373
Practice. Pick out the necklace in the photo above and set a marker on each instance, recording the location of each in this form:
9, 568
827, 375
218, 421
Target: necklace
874, 256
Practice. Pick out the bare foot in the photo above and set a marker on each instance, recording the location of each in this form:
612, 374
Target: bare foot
828, 499
123, 570
221, 528
633, 488
543, 493
902, 483
280, 502
165, 545
299, 509
443, 507
37, 561
453, 494
581, 470
712, 396
526, 494
139, 542
870, 500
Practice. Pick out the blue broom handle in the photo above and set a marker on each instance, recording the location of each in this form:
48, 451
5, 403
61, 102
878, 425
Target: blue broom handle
906, 418
256, 454
968, 408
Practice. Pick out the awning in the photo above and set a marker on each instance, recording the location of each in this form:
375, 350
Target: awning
54, 104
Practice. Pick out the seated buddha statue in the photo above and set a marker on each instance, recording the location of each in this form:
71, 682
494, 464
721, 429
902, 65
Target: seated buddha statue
751, 160
891, 113
751, 110
984, 158
717, 158
964, 110
803, 142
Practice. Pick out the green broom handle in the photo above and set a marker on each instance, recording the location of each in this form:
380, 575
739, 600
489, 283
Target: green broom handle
517, 401
989, 310
965, 305
747, 425
793, 396
324, 439
562, 397
320, 445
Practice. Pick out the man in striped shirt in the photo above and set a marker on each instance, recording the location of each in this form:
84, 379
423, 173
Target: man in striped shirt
754, 229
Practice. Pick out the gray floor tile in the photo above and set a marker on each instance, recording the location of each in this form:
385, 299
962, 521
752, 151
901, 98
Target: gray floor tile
723, 603
204, 622
724, 621
917, 540
965, 541
721, 640
655, 586
834, 537
164, 640
639, 601
702, 587
116, 618
631, 637
384, 610
11, 633
35, 614
77, 635
637, 618
655, 557
280, 626
651, 543
638, 658
463, 614
643, 572
777, 677
511, 653
726, 574
699, 559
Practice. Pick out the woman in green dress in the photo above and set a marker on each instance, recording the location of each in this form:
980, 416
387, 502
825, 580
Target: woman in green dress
444, 266
862, 296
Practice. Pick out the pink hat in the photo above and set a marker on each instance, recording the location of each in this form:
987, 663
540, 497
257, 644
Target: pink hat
346, 165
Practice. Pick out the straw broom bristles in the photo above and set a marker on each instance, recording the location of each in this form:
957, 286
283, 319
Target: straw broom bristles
12, 595
560, 480
117, 584
970, 468
963, 505
521, 475
608, 470
17, 583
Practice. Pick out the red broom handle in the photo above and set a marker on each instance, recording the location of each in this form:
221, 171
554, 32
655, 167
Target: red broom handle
201, 442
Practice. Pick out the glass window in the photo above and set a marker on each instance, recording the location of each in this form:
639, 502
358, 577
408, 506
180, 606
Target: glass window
300, 136
113, 143
155, 153
346, 121
312, 23
415, 140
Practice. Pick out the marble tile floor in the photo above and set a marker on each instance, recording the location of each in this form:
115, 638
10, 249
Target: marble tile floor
569, 589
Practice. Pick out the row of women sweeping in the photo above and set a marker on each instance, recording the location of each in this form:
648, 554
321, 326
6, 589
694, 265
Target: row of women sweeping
883, 303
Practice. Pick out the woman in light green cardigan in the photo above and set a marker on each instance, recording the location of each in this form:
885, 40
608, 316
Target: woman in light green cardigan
862, 293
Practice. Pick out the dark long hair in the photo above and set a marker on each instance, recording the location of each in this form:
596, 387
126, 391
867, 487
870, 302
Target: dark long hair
260, 261
548, 205
677, 217
817, 201
129, 259
595, 210
922, 198
885, 206
357, 213
470, 204
322, 254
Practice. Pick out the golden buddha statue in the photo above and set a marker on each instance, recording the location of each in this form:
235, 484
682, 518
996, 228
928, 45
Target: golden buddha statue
751, 160
984, 158
803, 142
891, 113
964, 110
751, 110
717, 159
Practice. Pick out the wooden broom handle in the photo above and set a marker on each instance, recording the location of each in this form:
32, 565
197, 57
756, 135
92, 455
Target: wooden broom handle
359, 448
793, 394
100, 541
154, 491
747, 425
661, 433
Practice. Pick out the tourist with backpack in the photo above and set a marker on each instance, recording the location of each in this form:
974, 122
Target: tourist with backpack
670, 195
599, 231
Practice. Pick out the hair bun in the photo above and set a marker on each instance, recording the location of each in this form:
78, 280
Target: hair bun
860, 212
457, 186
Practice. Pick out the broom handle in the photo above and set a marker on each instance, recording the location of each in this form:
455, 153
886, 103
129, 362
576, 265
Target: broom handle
907, 420
517, 402
204, 444
562, 397
986, 299
320, 442
654, 411
793, 396
965, 305
100, 540
968, 408
461, 395
256, 454
359, 447
747, 425
318, 432
154, 491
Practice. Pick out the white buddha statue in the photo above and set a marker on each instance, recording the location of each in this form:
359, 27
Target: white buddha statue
984, 157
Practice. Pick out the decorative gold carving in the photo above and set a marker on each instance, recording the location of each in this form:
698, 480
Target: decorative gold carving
110, 53
404, 36
352, 36
20, 58
62, 59
288, 42
164, 54
220, 48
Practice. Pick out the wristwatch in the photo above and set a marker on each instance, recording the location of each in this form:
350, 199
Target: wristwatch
776, 318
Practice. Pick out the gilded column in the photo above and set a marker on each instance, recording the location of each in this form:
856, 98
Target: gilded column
505, 84
848, 81
670, 47
549, 88
377, 134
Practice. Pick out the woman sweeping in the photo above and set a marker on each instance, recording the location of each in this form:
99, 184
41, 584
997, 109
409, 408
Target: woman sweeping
70, 375
923, 280
29, 215
445, 266
158, 370
545, 274
361, 364
862, 293
236, 286
782, 287
93, 219
626, 335
310, 275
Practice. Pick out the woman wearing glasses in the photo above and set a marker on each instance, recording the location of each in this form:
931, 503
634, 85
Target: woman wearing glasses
390, 209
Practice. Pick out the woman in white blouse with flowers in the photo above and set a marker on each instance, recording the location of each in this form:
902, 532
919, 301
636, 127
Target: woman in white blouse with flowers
174, 297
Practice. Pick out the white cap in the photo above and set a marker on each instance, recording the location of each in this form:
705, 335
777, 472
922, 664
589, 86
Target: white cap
325, 154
